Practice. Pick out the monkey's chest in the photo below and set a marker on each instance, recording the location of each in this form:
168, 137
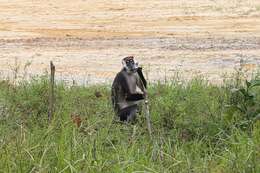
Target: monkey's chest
132, 82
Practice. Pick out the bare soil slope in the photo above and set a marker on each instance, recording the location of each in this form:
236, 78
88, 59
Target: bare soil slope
87, 39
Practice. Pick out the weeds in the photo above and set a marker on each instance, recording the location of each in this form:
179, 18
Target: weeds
244, 100
193, 130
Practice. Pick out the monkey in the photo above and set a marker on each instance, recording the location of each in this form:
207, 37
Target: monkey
128, 90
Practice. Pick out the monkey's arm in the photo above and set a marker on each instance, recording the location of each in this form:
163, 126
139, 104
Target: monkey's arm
131, 94
138, 91
114, 94
140, 73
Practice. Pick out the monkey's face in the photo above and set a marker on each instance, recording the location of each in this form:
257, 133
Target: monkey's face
129, 64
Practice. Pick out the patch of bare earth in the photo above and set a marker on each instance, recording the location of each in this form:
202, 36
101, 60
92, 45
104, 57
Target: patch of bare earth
87, 39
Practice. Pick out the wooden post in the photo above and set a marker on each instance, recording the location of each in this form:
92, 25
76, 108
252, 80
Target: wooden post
51, 92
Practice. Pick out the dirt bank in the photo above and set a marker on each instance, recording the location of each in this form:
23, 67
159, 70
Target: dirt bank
86, 39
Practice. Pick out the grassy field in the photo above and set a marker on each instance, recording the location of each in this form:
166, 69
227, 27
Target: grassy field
197, 127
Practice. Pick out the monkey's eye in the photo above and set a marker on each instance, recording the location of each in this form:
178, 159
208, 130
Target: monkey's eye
129, 61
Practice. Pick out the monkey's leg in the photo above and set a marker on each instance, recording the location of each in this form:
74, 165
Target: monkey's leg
131, 117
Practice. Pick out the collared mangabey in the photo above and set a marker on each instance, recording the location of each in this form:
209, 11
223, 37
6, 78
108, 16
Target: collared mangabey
128, 90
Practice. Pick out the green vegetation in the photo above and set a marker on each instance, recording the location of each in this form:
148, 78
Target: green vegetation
258, 8
197, 127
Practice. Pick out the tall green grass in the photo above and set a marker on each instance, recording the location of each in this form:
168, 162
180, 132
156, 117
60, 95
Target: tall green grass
193, 131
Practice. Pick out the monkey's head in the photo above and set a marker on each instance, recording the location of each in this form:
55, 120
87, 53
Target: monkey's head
129, 64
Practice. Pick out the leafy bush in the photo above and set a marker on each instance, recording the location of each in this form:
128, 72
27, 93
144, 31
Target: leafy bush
244, 100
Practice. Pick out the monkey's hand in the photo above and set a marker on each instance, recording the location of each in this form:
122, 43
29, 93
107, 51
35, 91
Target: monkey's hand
135, 97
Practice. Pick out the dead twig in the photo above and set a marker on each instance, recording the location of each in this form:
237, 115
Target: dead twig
51, 92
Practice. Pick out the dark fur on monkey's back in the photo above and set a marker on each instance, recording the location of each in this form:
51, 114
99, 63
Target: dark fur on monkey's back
124, 89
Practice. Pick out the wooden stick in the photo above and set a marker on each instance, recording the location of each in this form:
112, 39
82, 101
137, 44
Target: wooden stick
51, 92
148, 119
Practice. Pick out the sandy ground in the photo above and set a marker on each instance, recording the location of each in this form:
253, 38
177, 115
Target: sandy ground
86, 39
